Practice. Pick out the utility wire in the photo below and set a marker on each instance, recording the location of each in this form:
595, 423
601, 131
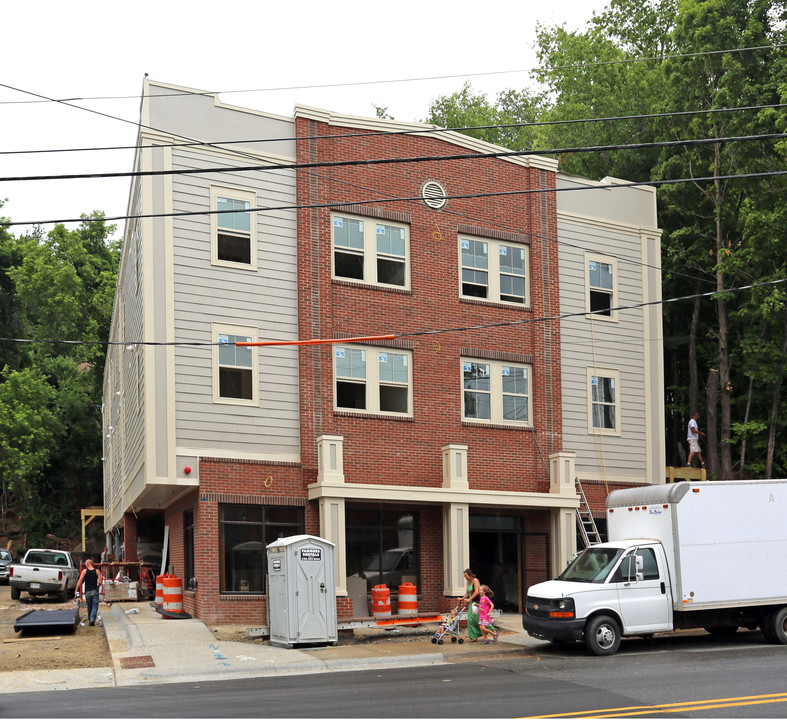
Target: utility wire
417, 198
395, 161
132, 344
577, 66
392, 133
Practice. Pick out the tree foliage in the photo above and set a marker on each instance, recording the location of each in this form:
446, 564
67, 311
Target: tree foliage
677, 70
54, 288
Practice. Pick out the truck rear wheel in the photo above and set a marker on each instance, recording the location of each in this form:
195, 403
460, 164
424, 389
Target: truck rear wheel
15, 593
602, 635
776, 623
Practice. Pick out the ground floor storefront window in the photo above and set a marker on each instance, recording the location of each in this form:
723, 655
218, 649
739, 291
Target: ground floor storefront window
382, 546
244, 533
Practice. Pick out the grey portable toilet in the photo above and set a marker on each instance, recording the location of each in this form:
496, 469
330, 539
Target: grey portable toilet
301, 591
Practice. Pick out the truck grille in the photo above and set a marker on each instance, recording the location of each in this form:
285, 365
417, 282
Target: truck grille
537, 607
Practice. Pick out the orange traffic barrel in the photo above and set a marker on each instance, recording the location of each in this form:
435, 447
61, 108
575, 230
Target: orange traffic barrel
160, 589
173, 595
381, 601
408, 599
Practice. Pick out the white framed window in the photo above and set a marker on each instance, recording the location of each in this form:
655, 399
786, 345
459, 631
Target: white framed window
376, 252
603, 401
373, 380
235, 369
233, 228
601, 288
494, 270
496, 392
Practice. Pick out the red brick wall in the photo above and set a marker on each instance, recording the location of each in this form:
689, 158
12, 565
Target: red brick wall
393, 451
405, 452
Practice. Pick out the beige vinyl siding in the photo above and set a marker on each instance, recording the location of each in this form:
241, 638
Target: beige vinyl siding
610, 345
265, 299
124, 450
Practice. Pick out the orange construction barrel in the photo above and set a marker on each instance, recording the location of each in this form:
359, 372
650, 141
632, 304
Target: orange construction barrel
173, 595
160, 589
408, 599
381, 601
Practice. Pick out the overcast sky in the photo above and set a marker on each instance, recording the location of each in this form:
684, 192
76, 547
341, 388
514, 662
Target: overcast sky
95, 55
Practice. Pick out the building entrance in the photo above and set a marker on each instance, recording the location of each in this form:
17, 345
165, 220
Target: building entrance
506, 558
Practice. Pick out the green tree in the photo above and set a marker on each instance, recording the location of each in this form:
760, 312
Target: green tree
505, 122
709, 215
57, 288
29, 431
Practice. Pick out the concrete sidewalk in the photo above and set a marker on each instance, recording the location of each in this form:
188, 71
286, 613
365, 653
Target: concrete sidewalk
147, 648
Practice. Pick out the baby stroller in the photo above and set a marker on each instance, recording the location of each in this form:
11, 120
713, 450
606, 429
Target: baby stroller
450, 627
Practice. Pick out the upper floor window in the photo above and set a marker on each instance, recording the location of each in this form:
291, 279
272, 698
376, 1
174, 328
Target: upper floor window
601, 286
495, 271
373, 380
233, 228
496, 392
604, 397
234, 367
371, 251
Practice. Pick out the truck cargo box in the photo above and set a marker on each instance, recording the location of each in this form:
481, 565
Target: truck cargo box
726, 542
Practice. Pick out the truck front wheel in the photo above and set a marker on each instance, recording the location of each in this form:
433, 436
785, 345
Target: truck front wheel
777, 626
602, 635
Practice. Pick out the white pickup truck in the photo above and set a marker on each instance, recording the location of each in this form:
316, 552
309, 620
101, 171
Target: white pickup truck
44, 572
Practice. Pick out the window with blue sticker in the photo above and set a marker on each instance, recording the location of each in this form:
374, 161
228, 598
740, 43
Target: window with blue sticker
372, 252
373, 380
494, 271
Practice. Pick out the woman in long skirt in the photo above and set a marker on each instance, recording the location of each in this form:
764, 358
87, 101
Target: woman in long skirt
469, 599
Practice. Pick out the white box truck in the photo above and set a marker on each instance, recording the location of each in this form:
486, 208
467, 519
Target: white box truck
707, 555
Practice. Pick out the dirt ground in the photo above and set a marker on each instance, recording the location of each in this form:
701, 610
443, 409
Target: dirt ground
45, 650
86, 647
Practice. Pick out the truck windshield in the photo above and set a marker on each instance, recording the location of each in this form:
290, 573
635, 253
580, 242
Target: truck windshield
592, 565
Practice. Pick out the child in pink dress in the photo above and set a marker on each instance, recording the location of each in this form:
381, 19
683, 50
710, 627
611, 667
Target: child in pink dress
485, 607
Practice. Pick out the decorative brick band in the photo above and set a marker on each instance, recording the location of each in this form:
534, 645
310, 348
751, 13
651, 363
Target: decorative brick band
494, 234
378, 213
240, 461
382, 288
398, 343
238, 499
372, 416
497, 355
245, 597
471, 301
497, 426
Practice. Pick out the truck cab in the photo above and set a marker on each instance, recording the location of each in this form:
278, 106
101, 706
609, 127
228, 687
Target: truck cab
608, 591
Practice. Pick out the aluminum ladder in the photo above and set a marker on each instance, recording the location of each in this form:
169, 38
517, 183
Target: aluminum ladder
585, 520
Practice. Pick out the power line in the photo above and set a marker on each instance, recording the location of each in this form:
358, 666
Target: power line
132, 344
417, 198
360, 83
391, 133
395, 161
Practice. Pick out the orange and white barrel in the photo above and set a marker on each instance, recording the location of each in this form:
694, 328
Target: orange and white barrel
160, 589
408, 599
173, 595
381, 601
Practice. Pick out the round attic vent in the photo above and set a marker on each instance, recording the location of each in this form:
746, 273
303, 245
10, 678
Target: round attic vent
433, 194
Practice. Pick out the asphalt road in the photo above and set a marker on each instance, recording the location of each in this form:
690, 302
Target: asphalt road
696, 676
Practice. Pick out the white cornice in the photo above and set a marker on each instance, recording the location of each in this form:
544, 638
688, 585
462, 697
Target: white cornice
589, 221
155, 138
433, 495
450, 136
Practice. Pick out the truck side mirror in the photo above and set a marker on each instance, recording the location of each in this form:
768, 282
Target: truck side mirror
640, 568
